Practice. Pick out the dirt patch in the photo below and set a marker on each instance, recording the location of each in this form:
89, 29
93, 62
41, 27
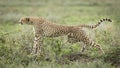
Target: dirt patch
78, 57
75, 57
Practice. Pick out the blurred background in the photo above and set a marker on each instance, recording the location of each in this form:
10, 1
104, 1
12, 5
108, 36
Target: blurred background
16, 40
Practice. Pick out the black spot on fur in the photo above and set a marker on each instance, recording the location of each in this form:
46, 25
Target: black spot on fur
106, 19
101, 20
109, 20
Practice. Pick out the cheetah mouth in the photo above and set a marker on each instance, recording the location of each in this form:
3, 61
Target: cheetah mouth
21, 23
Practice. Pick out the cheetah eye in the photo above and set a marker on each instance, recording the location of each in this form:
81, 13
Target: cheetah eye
28, 19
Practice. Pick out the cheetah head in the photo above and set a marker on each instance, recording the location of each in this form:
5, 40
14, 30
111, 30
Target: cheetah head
26, 20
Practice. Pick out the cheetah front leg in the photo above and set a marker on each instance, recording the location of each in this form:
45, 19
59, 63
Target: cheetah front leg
37, 47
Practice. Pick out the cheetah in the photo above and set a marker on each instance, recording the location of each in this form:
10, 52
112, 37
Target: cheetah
45, 28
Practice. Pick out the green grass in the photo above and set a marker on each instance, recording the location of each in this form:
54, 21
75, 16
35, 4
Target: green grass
16, 40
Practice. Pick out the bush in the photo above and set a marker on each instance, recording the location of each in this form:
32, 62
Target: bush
113, 56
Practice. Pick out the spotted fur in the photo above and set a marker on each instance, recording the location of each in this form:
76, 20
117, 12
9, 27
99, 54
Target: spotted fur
45, 28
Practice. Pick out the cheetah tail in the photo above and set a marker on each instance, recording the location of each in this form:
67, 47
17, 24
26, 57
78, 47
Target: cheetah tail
94, 26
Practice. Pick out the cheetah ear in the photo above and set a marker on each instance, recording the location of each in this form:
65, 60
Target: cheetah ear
28, 19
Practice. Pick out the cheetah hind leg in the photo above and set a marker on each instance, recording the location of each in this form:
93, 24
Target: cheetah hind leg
87, 42
73, 40
83, 48
98, 47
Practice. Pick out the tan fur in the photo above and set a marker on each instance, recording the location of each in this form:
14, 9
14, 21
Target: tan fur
44, 28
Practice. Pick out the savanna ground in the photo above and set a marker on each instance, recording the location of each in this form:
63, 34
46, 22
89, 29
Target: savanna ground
16, 40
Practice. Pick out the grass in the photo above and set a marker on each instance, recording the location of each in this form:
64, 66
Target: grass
16, 40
